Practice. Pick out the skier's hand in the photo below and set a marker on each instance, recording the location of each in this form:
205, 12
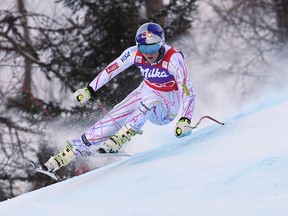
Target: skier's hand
83, 95
183, 127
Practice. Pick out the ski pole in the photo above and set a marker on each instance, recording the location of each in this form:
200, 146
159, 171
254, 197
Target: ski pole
203, 117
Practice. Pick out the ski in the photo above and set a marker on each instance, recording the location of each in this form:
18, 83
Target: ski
39, 168
118, 154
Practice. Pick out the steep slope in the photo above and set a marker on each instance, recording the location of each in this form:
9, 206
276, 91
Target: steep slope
238, 169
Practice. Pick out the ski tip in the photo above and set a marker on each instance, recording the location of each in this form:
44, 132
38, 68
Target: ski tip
33, 164
39, 168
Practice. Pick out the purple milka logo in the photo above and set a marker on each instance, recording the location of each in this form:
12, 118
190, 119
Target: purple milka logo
153, 73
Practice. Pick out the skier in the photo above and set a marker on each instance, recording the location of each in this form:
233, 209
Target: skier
165, 87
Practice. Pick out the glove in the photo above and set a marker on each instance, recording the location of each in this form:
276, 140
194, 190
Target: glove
183, 127
83, 95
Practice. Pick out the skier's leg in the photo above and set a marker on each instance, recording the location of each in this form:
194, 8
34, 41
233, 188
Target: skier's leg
159, 108
60, 159
98, 133
116, 141
107, 126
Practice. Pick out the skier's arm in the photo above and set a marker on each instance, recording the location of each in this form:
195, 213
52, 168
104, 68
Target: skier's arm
125, 60
179, 70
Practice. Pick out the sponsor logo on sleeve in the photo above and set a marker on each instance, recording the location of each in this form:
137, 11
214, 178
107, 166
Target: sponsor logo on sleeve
125, 56
186, 90
112, 68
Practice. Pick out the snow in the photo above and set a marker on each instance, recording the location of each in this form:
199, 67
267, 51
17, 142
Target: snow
236, 169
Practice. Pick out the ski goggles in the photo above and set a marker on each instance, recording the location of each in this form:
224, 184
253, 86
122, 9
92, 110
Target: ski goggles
149, 49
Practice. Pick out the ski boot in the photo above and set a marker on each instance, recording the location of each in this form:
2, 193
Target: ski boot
115, 142
61, 159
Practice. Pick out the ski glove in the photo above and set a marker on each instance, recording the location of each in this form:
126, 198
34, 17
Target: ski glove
183, 127
83, 95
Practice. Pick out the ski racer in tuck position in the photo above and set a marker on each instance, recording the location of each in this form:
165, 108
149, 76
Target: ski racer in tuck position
164, 89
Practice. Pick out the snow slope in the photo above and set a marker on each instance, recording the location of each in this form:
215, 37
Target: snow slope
237, 169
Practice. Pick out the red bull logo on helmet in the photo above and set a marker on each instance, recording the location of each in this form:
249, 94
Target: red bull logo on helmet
147, 36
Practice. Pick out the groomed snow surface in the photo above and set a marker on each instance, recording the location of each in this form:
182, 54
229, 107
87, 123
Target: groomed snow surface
237, 169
